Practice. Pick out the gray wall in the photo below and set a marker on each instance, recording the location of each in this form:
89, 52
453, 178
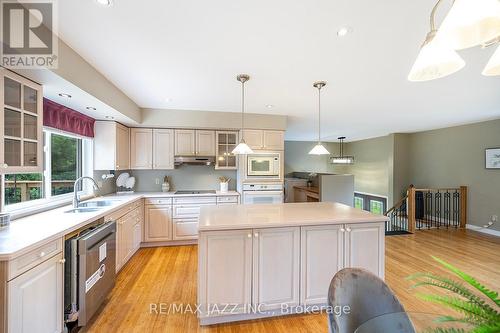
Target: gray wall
455, 156
297, 157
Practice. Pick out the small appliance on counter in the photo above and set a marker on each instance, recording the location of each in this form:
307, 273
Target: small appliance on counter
125, 184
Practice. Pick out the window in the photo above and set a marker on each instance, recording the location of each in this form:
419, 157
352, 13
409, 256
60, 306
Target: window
372, 203
66, 158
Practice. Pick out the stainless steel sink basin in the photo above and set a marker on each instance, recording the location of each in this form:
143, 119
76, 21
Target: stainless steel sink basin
99, 203
83, 210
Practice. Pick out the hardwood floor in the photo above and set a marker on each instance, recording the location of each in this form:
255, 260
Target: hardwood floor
168, 275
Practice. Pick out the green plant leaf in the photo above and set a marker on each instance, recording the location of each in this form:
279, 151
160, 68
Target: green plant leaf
493, 295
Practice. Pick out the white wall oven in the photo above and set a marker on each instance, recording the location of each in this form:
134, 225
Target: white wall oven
262, 193
263, 165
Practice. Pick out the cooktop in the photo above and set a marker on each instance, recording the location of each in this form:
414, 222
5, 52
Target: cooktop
195, 192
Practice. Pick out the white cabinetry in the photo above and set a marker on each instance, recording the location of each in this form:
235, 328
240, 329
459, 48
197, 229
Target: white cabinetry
276, 260
141, 148
225, 143
364, 247
205, 143
163, 149
158, 222
35, 299
111, 146
322, 256
194, 143
264, 139
229, 278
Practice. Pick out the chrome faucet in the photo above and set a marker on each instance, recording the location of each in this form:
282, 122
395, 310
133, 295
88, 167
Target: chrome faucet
76, 199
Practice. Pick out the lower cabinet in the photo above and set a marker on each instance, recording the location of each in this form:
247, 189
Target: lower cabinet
128, 234
364, 247
158, 223
185, 228
36, 298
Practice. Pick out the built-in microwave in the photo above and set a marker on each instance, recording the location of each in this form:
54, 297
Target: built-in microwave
263, 165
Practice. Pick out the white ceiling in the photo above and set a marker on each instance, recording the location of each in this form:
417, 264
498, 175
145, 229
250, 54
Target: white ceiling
185, 54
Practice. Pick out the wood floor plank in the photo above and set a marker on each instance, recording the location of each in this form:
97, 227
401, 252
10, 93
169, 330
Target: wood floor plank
167, 275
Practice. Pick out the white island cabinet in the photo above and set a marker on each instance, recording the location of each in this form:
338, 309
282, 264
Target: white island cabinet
257, 260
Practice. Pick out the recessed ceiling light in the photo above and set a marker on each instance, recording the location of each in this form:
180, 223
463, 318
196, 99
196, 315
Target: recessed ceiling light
109, 117
269, 106
168, 100
65, 95
91, 108
105, 3
344, 31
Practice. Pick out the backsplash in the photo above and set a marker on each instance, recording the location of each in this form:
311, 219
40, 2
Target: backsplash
186, 177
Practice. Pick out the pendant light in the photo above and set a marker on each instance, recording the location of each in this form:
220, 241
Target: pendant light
471, 23
493, 66
319, 149
436, 59
242, 147
342, 159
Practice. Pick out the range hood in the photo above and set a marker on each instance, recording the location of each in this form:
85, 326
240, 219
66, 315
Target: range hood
194, 160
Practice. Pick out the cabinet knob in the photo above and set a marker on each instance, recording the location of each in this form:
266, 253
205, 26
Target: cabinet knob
256, 234
348, 229
342, 230
62, 261
5, 165
42, 254
117, 166
249, 235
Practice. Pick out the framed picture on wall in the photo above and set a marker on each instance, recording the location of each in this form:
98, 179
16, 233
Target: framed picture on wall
493, 158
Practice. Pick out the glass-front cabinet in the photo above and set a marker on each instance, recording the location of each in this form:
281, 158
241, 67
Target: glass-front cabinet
226, 142
21, 141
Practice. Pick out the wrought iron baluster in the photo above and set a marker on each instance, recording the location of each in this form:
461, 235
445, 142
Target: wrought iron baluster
447, 208
437, 204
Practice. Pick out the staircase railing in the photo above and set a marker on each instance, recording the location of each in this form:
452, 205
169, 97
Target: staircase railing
427, 208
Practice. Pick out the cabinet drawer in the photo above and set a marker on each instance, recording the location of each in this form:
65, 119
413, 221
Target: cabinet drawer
29, 260
185, 229
187, 211
158, 201
195, 200
227, 199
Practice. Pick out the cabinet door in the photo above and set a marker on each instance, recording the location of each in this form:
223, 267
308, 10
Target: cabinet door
185, 143
365, 247
254, 138
141, 148
163, 149
276, 260
205, 143
322, 255
120, 243
225, 270
226, 141
185, 228
158, 223
274, 140
36, 299
122, 147
137, 236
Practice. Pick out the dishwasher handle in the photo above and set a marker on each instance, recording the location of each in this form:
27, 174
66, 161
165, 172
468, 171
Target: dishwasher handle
95, 236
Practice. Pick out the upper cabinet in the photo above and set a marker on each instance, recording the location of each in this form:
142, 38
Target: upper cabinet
21, 141
111, 146
163, 149
141, 148
264, 139
226, 142
194, 143
151, 148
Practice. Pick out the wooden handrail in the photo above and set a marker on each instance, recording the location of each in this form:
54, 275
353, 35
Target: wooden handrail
397, 205
437, 189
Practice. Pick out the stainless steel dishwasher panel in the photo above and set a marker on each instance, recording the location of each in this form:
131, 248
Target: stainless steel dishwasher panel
97, 273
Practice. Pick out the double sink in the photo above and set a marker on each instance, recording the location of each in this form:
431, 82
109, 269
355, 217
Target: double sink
92, 206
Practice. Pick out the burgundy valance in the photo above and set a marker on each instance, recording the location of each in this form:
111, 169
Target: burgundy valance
63, 118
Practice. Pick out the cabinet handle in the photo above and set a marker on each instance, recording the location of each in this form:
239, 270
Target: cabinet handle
5, 165
117, 166
342, 230
348, 229
62, 261
256, 234
42, 254
249, 235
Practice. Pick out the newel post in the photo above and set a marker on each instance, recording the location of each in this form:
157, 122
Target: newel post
411, 209
463, 206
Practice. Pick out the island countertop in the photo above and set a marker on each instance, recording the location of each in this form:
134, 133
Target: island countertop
233, 217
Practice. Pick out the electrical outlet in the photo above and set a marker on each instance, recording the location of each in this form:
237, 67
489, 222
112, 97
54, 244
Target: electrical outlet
494, 218
157, 181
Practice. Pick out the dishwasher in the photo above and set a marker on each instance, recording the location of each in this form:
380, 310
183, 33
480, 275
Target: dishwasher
89, 272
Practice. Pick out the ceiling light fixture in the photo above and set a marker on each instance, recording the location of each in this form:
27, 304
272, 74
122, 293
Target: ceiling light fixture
269, 106
341, 159
493, 66
65, 95
242, 147
319, 149
109, 117
435, 59
91, 108
469, 23
342, 32
105, 3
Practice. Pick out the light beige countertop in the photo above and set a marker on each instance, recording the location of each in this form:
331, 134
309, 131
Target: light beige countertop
282, 215
29, 232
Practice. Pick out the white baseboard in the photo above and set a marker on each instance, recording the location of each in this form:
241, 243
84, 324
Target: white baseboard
483, 230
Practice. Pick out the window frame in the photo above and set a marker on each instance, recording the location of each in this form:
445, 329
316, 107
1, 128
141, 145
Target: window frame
49, 201
368, 197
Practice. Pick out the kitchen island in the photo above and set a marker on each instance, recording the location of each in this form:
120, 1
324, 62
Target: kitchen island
258, 261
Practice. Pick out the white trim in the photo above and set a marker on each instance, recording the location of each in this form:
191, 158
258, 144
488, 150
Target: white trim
372, 194
61, 132
483, 230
